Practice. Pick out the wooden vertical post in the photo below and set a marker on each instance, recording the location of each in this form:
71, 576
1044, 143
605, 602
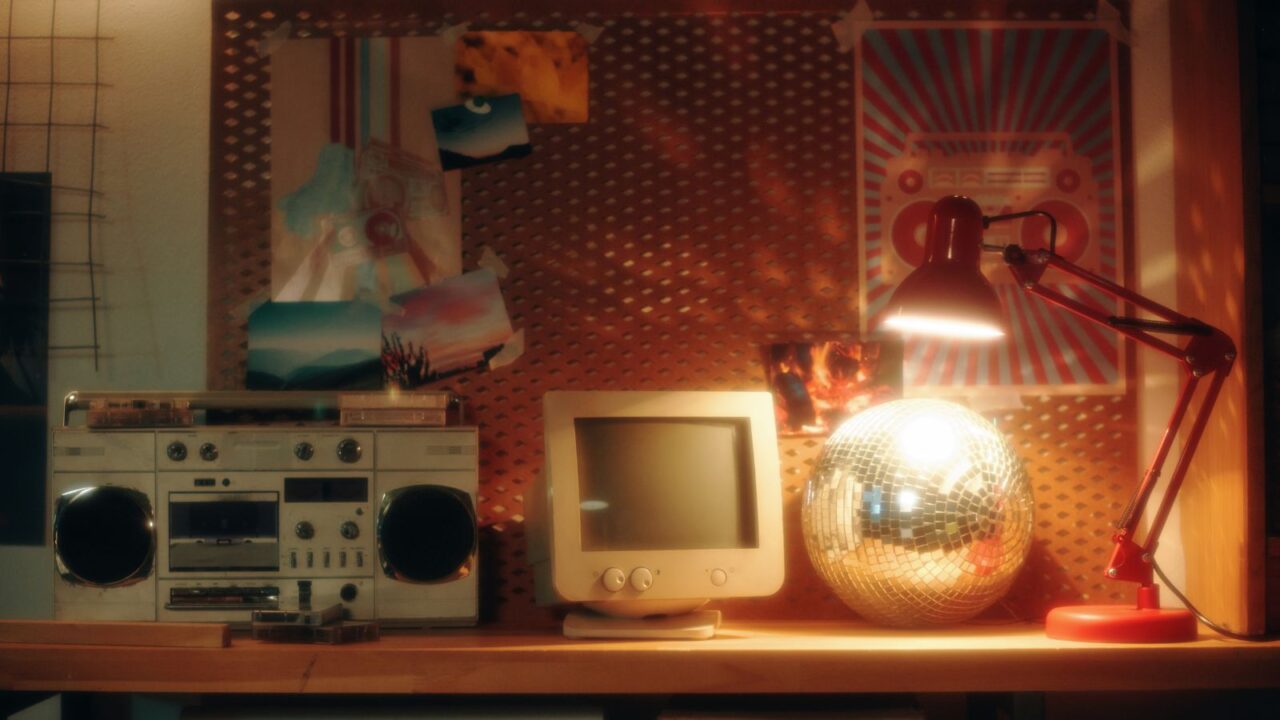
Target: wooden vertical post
1218, 282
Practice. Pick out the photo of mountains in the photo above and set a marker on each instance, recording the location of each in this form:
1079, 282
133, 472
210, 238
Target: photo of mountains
315, 346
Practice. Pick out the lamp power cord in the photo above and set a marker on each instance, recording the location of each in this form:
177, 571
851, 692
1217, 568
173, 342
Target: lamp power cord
1204, 620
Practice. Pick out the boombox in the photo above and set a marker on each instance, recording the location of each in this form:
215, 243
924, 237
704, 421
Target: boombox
1003, 173
210, 523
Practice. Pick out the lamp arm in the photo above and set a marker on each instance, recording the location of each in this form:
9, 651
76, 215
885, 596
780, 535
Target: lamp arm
1208, 351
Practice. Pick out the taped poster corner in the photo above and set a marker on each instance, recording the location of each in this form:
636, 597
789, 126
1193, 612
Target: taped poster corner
510, 352
270, 42
850, 27
451, 33
1109, 19
490, 261
588, 31
241, 311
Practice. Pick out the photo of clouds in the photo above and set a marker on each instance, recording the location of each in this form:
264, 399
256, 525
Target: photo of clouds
315, 346
453, 325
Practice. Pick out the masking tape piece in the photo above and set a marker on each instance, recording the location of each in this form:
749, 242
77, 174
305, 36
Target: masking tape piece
588, 31
992, 401
510, 352
1109, 19
451, 33
490, 261
850, 27
274, 39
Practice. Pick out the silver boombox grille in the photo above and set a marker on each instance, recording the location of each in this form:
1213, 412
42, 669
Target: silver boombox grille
188, 522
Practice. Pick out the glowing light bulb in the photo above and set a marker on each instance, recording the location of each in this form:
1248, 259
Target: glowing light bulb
942, 327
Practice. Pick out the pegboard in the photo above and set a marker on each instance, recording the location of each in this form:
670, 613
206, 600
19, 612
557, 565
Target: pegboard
706, 208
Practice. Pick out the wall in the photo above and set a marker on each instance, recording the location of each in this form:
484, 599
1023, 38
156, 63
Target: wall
152, 166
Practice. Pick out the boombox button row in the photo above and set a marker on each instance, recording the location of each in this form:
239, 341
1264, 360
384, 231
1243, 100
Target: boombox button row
326, 558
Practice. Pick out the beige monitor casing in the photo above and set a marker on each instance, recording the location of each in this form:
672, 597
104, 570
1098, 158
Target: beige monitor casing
681, 579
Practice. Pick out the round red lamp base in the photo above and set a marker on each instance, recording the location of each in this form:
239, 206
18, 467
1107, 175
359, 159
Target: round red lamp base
1120, 624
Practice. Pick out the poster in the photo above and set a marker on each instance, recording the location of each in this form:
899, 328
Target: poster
360, 206
1018, 117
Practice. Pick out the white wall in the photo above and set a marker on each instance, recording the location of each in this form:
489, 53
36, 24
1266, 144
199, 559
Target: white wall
152, 167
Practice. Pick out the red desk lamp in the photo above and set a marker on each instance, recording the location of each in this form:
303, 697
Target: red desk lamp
948, 296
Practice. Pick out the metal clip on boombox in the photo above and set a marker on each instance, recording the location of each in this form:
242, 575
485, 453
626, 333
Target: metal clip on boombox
163, 512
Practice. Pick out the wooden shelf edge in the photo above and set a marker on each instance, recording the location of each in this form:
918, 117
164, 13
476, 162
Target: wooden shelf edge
747, 661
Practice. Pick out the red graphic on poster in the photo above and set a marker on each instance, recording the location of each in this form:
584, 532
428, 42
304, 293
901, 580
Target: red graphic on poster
1018, 119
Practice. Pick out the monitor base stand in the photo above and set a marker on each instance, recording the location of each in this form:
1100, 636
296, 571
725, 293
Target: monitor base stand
589, 625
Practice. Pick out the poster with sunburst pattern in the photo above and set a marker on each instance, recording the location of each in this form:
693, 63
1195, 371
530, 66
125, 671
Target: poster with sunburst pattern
1018, 117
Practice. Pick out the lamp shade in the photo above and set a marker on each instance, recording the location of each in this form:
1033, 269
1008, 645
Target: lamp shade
948, 296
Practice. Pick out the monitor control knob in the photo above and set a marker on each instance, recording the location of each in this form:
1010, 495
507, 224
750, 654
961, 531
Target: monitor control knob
349, 530
349, 450
613, 579
719, 577
641, 579
208, 452
304, 450
176, 451
304, 530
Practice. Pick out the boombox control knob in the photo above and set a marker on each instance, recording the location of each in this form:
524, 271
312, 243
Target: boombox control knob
349, 450
348, 592
209, 452
349, 530
304, 530
304, 450
176, 451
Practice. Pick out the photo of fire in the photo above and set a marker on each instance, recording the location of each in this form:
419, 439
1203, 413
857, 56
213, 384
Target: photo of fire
818, 385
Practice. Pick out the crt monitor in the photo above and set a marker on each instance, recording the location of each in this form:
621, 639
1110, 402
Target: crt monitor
652, 503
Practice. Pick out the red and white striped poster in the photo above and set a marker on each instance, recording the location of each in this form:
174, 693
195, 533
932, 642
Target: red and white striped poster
360, 206
1018, 117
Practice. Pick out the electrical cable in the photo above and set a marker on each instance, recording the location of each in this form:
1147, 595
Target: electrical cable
1201, 616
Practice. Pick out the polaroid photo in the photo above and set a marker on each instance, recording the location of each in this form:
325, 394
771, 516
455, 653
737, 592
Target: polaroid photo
818, 385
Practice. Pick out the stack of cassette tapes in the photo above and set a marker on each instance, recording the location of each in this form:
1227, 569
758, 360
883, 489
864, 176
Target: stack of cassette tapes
304, 625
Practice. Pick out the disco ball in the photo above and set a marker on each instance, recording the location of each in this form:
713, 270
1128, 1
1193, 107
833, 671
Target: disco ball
918, 513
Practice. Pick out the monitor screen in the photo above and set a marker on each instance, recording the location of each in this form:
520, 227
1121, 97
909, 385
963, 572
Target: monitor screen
666, 483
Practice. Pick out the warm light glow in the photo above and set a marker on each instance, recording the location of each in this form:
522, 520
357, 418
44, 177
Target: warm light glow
927, 441
942, 327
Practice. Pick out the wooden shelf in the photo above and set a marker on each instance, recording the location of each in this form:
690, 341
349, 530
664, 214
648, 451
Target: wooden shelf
745, 658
